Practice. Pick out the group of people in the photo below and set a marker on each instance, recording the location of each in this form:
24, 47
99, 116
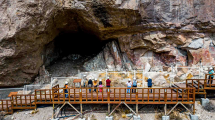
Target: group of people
131, 84
94, 83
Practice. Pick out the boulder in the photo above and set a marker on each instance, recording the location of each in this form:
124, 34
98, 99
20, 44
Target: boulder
197, 43
179, 73
160, 80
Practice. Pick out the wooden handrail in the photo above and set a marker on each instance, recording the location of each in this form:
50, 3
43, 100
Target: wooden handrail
111, 96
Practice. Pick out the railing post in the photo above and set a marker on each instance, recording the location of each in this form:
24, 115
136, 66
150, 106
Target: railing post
12, 105
35, 97
53, 94
108, 94
137, 101
194, 99
136, 95
165, 95
80, 94
205, 83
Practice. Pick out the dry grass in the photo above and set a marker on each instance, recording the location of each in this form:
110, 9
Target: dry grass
124, 115
173, 116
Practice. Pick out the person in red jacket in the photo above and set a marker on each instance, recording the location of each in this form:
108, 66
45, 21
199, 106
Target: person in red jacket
108, 82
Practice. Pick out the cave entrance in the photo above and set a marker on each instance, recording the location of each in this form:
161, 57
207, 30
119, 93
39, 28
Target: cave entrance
66, 54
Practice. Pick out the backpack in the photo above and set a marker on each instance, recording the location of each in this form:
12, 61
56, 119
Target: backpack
135, 83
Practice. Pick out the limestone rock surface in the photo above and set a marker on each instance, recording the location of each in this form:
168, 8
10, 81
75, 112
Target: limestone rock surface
159, 32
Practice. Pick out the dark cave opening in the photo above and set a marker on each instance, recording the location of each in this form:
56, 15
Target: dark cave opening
72, 50
83, 44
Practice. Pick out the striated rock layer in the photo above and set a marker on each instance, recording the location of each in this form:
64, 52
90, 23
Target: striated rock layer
160, 32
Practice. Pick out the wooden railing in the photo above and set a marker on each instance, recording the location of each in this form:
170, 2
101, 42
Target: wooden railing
117, 95
23, 102
5, 105
100, 96
199, 84
43, 96
56, 86
209, 83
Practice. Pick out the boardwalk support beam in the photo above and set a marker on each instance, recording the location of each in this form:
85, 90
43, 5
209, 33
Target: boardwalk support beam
125, 105
165, 108
81, 110
108, 108
63, 106
137, 108
177, 105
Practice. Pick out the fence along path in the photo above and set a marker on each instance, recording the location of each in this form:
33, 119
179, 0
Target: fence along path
56, 95
184, 93
118, 95
201, 85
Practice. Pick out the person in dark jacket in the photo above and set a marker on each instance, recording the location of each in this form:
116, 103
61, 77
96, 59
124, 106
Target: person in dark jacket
90, 84
134, 85
100, 81
66, 90
150, 83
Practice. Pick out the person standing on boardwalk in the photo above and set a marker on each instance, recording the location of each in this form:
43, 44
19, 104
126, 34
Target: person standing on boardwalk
100, 81
95, 84
134, 85
150, 83
66, 90
83, 81
211, 77
108, 82
90, 83
129, 84
100, 85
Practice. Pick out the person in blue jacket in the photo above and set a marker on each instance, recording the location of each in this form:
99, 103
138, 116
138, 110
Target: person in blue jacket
149, 83
211, 77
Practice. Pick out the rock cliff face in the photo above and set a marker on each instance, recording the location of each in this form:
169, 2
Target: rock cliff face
160, 32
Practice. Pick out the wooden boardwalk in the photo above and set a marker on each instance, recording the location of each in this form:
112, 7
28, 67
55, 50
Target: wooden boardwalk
180, 93
201, 85
112, 96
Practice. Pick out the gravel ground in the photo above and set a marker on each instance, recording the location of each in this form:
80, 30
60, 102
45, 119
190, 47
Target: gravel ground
205, 114
42, 114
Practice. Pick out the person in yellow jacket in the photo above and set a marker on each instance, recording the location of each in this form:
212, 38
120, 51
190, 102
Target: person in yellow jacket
95, 84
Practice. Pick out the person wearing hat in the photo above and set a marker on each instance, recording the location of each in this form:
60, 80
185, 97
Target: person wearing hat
211, 77
95, 84
65, 90
100, 81
150, 83
134, 85
90, 83
129, 84
108, 81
